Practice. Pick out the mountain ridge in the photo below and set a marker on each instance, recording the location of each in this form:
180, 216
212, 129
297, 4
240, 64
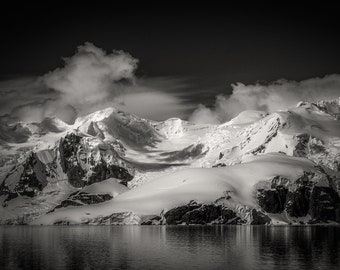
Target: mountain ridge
59, 159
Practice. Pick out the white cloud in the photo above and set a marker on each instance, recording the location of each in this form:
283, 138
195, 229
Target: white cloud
278, 95
91, 75
92, 80
204, 115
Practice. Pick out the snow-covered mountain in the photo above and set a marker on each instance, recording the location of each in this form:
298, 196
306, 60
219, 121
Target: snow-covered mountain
111, 167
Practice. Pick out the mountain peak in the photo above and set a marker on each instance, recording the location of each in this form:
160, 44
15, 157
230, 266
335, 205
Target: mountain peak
96, 116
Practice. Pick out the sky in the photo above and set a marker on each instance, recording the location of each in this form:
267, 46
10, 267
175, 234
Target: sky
200, 63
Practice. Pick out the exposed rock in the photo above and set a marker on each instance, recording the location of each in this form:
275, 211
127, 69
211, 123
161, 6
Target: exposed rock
297, 203
61, 223
228, 216
104, 171
331, 107
272, 200
153, 220
81, 198
67, 203
315, 150
324, 204
198, 214
218, 165
202, 215
192, 151
251, 216
68, 148
27, 179
313, 194
174, 216
258, 218
85, 165
301, 146
123, 218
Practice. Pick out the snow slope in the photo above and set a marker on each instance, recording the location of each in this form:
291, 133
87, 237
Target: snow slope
199, 184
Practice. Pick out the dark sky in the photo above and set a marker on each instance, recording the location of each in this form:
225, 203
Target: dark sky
212, 46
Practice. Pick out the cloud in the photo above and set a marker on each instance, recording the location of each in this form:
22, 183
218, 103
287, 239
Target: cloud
153, 105
204, 115
91, 75
91, 80
275, 96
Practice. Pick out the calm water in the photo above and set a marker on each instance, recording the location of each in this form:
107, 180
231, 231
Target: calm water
161, 247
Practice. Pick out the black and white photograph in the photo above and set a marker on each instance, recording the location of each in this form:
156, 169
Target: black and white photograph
169, 136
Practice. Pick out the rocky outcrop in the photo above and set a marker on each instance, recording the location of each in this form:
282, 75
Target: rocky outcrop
324, 205
153, 220
123, 218
204, 214
258, 218
191, 152
175, 215
82, 198
272, 200
310, 195
68, 149
103, 171
26, 180
331, 107
297, 203
315, 150
85, 165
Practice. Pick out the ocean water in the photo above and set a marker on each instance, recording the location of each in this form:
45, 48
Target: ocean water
170, 247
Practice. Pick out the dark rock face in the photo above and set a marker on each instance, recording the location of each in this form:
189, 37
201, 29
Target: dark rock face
228, 216
324, 204
104, 171
300, 148
61, 223
174, 216
218, 165
297, 204
81, 198
298, 201
272, 200
155, 220
70, 149
75, 175
258, 218
201, 214
278, 198
94, 130
32, 179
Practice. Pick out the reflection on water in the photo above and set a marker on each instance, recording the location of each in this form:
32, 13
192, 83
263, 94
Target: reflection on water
167, 247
